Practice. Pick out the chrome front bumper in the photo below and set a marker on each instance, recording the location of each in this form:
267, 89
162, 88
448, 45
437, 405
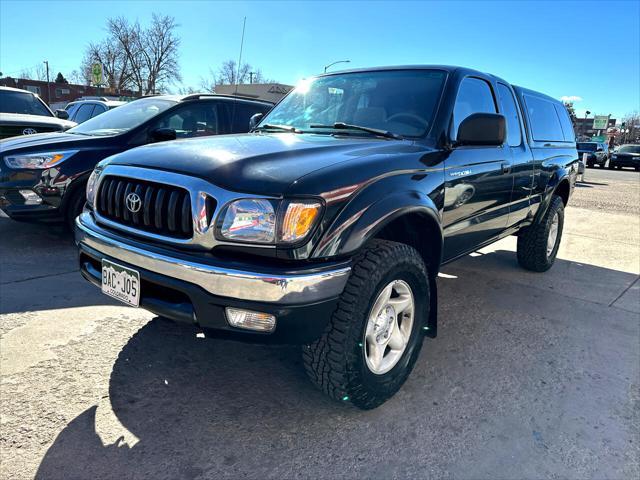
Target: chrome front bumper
292, 288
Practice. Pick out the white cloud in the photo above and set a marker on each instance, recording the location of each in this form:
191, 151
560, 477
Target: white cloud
571, 98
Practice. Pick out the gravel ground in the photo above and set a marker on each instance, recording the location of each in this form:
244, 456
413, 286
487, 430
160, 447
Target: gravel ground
609, 191
531, 376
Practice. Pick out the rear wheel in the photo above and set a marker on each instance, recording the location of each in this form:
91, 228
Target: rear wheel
538, 244
374, 337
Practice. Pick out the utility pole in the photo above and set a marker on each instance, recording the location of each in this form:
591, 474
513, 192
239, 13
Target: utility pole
46, 62
251, 74
584, 125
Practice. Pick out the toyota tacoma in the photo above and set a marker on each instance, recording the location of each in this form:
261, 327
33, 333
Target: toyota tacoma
327, 225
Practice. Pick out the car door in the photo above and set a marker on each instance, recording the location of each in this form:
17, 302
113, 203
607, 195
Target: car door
521, 157
478, 179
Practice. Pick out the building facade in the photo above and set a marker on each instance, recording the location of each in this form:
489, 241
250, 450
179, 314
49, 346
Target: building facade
62, 93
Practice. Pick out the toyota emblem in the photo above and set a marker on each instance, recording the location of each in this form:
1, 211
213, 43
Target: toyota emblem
29, 131
133, 202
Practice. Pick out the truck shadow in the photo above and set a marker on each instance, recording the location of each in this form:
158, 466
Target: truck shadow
211, 408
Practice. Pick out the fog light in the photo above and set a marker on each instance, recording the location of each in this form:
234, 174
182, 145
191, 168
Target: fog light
30, 197
249, 320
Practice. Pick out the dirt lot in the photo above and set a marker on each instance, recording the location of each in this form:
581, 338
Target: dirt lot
531, 376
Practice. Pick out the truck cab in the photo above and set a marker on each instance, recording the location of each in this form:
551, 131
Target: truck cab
327, 225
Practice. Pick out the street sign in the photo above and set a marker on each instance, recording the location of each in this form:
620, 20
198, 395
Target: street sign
96, 74
600, 122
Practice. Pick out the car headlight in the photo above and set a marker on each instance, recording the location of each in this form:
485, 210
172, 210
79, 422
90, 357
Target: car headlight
249, 220
613, 157
38, 160
257, 221
92, 183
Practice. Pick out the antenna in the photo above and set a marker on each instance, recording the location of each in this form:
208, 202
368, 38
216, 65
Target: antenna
244, 24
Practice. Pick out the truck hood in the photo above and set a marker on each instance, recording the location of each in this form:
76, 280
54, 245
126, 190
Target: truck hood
257, 163
34, 120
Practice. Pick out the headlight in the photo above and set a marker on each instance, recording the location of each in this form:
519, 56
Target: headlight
249, 220
92, 183
613, 157
37, 160
257, 221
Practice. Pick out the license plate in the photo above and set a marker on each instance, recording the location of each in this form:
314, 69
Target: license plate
121, 283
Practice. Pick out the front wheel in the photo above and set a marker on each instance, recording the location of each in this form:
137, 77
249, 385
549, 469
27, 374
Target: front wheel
375, 335
538, 244
75, 206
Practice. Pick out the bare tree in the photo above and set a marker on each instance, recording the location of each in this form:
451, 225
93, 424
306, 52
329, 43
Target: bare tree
159, 45
142, 59
228, 74
39, 72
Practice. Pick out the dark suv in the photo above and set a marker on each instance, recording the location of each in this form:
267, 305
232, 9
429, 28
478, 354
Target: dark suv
43, 177
328, 224
597, 153
24, 113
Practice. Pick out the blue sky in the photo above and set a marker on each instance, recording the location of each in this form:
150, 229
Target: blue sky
589, 50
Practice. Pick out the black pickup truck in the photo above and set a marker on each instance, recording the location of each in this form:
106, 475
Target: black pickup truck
328, 223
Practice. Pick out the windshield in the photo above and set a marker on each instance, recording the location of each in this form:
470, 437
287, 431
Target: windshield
398, 101
19, 102
629, 149
591, 147
124, 118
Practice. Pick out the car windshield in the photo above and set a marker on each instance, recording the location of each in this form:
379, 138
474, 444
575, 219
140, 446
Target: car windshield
124, 118
402, 102
22, 102
588, 146
629, 149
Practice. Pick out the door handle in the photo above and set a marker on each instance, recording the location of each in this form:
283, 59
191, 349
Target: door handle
506, 167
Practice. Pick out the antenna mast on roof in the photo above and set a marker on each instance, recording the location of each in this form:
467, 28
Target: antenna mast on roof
244, 24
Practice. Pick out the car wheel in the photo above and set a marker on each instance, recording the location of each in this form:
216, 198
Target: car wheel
75, 206
611, 167
375, 335
538, 244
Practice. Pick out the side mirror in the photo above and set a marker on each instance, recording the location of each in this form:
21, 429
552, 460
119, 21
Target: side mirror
599, 149
255, 120
163, 134
482, 129
62, 114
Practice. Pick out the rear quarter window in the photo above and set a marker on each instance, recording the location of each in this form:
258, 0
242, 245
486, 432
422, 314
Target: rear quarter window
543, 117
565, 123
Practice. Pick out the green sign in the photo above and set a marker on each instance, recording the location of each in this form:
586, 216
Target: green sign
96, 73
599, 138
600, 122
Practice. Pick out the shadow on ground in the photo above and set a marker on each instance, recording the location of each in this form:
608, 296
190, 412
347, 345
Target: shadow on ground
508, 389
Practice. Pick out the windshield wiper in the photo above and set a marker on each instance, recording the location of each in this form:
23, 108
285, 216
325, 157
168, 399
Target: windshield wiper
348, 126
284, 128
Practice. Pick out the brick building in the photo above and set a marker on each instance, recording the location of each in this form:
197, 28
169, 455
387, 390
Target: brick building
61, 93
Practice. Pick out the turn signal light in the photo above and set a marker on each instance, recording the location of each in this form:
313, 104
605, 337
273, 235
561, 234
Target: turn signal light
249, 320
298, 220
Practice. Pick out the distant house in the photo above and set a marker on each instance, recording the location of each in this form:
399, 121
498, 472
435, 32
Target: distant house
55, 94
271, 92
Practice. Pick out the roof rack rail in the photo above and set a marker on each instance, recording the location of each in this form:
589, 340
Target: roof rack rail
197, 96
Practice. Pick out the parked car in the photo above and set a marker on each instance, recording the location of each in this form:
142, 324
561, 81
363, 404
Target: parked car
626, 156
327, 225
82, 110
597, 153
24, 113
43, 177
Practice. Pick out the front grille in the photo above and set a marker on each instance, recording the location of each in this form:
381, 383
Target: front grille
7, 131
163, 209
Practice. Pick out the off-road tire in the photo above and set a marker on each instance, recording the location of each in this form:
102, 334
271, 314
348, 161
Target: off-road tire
335, 362
532, 243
